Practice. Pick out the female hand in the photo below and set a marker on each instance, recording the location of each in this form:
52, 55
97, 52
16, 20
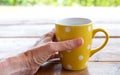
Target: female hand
45, 48
30, 61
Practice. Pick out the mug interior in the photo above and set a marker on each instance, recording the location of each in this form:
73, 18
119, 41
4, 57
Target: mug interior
74, 21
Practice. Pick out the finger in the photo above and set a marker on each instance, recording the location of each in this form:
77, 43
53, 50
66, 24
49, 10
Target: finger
45, 38
65, 45
43, 53
50, 34
54, 56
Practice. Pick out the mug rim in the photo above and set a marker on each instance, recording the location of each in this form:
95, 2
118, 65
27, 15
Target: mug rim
85, 21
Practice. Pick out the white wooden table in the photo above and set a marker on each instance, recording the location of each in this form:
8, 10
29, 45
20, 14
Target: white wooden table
18, 36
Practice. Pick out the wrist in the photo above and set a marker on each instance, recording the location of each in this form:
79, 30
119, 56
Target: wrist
18, 65
27, 57
14, 66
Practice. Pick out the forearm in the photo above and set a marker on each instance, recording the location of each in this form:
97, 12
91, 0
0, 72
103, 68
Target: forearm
16, 65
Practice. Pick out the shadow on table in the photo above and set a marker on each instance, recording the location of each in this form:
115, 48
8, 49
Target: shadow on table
54, 67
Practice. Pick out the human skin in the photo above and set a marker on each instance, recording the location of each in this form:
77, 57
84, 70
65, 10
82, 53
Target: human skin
29, 62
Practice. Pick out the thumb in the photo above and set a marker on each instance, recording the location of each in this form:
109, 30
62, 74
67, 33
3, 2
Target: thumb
43, 53
67, 45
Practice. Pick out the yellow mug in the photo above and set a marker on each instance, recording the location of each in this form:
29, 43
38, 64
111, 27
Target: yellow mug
71, 28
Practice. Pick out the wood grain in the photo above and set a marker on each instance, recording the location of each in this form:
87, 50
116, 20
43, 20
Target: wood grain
37, 30
20, 30
13, 46
54, 67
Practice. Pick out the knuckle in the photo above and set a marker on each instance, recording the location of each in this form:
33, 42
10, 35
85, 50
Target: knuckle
51, 47
69, 45
47, 35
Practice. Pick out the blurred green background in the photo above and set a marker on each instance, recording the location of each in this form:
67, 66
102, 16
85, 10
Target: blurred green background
104, 3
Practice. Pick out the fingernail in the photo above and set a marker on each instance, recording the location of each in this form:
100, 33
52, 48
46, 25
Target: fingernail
80, 41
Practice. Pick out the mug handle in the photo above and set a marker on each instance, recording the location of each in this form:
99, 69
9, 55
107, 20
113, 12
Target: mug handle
105, 42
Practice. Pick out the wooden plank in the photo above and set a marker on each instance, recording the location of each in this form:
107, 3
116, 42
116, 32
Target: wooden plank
10, 46
25, 30
109, 36
94, 68
37, 30
13, 46
97, 36
110, 52
26, 21
112, 29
